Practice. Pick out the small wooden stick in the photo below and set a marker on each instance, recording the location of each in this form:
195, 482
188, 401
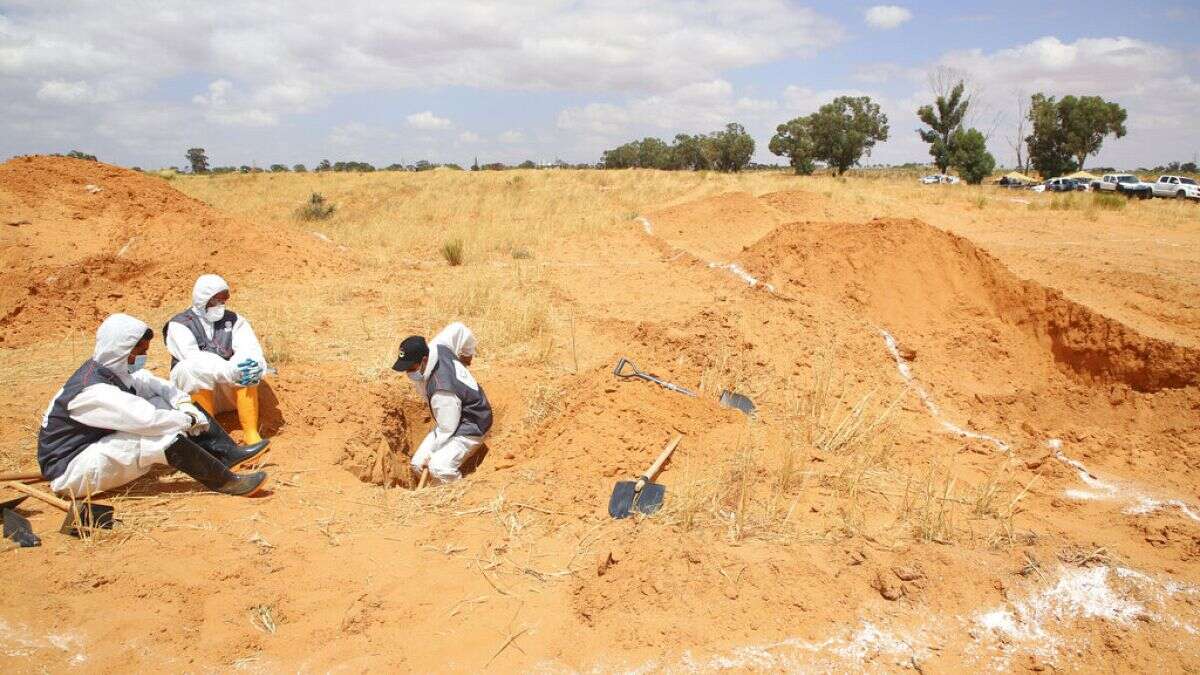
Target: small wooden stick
424, 478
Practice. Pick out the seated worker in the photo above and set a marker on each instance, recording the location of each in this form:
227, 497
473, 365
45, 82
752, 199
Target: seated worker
112, 421
215, 356
460, 409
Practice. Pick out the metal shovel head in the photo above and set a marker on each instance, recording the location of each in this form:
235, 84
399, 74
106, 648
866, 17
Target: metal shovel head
83, 516
18, 529
730, 399
12, 503
626, 499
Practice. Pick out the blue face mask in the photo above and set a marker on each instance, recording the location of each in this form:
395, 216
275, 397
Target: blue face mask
139, 362
416, 376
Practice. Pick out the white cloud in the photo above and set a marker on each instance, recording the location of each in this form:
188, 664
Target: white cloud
220, 108
887, 17
427, 121
468, 137
511, 136
72, 93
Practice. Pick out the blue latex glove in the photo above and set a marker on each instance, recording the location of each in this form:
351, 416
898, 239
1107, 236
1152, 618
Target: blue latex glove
251, 373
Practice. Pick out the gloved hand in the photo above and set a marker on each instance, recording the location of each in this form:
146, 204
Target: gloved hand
197, 416
250, 373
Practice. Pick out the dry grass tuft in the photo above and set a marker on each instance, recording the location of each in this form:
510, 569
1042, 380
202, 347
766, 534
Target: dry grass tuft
315, 208
452, 251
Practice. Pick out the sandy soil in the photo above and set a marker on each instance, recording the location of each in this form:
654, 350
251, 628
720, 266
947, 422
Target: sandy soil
976, 444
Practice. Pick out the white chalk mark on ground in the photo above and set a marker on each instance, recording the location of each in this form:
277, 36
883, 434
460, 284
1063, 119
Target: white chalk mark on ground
646, 227
733, 268
905, 369
1137, 500
20, 642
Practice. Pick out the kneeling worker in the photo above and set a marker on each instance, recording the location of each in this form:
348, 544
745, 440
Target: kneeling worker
112, 421
215, 355
460, 409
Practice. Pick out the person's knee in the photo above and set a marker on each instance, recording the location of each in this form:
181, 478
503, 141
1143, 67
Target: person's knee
444, 469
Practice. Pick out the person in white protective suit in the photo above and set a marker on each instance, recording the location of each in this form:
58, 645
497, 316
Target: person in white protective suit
112, 421
460, 409
215, 355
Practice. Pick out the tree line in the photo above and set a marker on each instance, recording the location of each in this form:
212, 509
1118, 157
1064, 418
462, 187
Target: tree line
839, 134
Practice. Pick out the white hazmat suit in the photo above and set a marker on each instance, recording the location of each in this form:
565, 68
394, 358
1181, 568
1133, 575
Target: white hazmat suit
143, 430
441, 450
198, 370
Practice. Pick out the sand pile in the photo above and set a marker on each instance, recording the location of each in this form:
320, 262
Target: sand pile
133, 242
935, 288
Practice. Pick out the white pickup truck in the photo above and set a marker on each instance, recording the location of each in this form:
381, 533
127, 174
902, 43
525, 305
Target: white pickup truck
1125, 183
1179, 187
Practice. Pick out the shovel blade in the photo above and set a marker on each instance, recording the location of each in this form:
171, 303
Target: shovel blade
18, 529
650, 499
731, 399
87, 517
621, 502
11, 503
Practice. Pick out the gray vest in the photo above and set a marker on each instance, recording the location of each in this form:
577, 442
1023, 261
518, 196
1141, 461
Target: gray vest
221, 342
476, 411
61, 438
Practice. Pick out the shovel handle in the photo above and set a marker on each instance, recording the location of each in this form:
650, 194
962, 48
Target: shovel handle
658, 463
21, 475
424, 478
38, 494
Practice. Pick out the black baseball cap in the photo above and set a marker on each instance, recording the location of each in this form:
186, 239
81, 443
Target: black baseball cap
412, 350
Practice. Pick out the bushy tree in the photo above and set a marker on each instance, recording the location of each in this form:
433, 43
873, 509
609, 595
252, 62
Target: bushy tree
730, 149
686, 153
794, 140
278, 168
1047, 144
845, 129
198, 160
300, 168
324, 165
527, 164
970, 156
1087, 121
944, 118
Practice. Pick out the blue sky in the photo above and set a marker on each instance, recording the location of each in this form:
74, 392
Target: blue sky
137, 83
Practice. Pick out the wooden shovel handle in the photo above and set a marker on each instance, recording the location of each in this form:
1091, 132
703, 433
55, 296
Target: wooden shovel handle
424, 478
38, 494
658, 463
22, 475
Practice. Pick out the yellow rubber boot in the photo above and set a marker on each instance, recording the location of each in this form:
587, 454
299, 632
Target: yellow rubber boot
247, 408
207, 400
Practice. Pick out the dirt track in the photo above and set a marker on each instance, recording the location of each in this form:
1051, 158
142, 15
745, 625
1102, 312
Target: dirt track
955, 464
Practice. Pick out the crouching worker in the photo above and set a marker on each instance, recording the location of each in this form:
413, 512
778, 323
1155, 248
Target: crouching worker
112, 421
215, 355
460, 409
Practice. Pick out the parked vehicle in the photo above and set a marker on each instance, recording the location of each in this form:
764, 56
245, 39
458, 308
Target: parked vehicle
1062, 185
1125, 183
1179, 187
935, 178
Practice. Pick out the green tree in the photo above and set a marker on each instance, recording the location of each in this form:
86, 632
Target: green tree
1048, 152
300, 168
198, 160
278, 168
944, 118
527, 164
845, 129
324, 165
794, 140
970, 156
731, 149
687, 153
1086, 122
653, 153
621, 157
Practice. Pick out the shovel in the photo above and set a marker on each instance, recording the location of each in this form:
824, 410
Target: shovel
80, 515
18, 529
626, 369
22, 476
642, 495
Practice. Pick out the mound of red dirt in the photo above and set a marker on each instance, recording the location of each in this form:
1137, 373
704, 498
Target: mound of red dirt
84, 239
926, 284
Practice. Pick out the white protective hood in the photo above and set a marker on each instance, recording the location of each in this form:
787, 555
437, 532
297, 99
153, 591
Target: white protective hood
115, 338
206, 287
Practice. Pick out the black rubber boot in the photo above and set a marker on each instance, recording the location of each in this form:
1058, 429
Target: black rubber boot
211, 472
220, 444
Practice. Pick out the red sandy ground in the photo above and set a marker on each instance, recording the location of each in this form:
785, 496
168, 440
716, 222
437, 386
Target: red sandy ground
519, 568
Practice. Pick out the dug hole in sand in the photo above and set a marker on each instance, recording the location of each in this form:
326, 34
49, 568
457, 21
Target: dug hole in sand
845, 527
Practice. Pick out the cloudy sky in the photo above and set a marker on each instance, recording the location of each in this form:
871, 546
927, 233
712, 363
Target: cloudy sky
137, 83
